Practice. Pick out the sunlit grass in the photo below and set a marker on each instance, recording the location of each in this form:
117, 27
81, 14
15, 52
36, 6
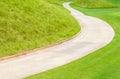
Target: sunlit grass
30, 24
94, 4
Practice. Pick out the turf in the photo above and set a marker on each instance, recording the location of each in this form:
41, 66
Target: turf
94, 4
102, 64
30, 24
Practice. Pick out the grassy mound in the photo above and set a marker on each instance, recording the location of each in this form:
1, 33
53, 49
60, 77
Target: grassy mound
94, 4
29, 24
102, 64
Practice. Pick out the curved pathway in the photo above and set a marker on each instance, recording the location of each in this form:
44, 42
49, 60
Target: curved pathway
95, 34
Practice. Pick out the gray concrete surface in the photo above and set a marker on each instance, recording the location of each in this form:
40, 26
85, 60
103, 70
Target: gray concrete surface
95, 34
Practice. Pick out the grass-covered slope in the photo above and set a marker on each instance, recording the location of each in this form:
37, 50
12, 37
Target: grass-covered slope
29, 24
94, 4
102, 64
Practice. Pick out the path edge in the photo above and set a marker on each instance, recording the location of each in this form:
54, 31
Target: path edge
38, 49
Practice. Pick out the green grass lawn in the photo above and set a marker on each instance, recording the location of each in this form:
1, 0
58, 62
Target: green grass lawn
94, 4
30, 24
102, 64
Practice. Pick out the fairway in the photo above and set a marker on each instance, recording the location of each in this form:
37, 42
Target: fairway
102, 64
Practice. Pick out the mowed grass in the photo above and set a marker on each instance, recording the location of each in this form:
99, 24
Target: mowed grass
30, 24
102, 64
94, 4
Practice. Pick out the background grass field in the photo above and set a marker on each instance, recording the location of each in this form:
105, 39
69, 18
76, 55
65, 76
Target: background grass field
94, 4
102, 64
30, 24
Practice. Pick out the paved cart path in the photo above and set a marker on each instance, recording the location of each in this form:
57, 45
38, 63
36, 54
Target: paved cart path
95, 34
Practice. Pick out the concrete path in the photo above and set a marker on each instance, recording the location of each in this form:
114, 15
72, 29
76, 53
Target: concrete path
95, 34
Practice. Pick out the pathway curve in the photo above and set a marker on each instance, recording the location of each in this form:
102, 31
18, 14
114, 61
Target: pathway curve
95, 34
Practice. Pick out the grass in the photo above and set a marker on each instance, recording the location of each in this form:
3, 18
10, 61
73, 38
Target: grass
30, 24
102, 64
94, 4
